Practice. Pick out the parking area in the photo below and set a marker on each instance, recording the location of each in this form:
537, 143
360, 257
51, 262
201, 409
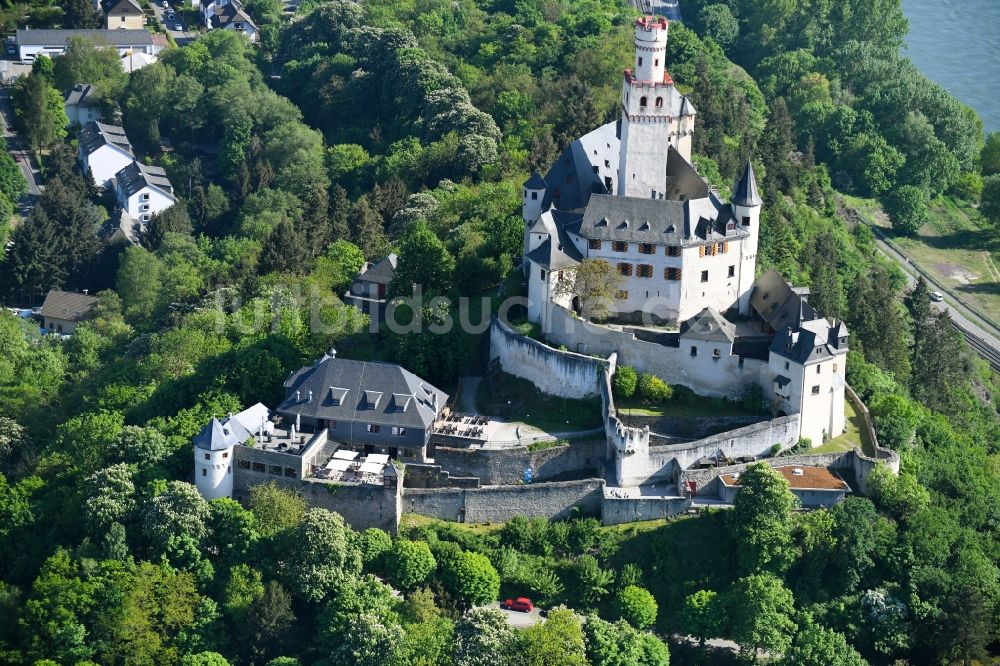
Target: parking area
520, 620
171, 20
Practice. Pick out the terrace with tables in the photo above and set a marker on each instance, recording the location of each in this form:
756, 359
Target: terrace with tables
347, 466
464, 429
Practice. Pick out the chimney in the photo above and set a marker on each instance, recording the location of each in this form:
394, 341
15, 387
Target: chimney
309, 396
85, 291
333, 352
298, 396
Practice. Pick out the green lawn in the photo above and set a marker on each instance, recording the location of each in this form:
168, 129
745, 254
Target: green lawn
516, 399
956, 246
855, 436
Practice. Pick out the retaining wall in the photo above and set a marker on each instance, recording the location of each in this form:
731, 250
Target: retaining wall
688, 427
494, 504
559, 373
422, 475
586, 458
361, 505
615, 511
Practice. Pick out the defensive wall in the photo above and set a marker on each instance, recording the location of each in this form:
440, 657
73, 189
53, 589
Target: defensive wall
362, 505
562, 374
493, 467
617, 510
703, 373
494, 504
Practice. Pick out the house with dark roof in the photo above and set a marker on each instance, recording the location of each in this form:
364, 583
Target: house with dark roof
368, 291
229, 15
120, 14
103, 150
63, 311
52, 43
122, 228
143, 190
82, 104
367, 405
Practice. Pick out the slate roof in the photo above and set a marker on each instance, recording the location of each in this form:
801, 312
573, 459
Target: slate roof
558, 251
571, 178
690, 222
231, 13
137, 176
96, 134
535, 182
777, 303
745, 190
68, 305
381, 272
119, 37
216, 436
110, 6
367, 391
122, 226
710, 326
82, 94
815, 341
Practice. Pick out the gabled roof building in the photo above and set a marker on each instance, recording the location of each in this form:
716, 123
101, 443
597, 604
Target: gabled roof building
143, 190
103, 150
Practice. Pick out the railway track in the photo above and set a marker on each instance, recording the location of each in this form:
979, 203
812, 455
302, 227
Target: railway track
985, 351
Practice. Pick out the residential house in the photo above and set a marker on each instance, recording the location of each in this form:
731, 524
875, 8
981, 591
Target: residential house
62, 311
52, 43
232, 16
103, 150
123, 228
364, 404
368, 291
82, 104
143, 190
123, 14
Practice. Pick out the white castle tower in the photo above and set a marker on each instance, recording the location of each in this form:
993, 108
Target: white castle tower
746, 212
654, 115
213, 460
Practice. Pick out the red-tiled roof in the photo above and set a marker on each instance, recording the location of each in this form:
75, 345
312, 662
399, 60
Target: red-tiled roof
811, 478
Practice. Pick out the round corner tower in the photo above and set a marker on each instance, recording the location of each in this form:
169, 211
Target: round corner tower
213, 461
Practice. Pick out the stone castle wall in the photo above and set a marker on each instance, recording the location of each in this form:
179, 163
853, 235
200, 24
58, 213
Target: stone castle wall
558, 373
703, 373
495, 504
584, 458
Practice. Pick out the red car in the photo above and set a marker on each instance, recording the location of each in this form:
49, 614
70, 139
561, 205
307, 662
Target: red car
521, 604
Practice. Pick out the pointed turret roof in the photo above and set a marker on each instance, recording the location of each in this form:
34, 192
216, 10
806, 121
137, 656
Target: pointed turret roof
745, 191
536, 182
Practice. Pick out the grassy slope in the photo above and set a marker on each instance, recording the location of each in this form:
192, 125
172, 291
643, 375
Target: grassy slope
956, 246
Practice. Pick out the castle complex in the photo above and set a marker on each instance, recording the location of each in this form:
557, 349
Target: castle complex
373, 441
627, 193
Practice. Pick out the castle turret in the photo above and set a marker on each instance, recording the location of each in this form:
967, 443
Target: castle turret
213, 460
746, 213
531, 208
534, 195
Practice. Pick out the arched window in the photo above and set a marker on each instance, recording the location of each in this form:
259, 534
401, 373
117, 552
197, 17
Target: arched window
659, 102
642, 102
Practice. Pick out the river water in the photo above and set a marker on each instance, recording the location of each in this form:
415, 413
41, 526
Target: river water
956, 43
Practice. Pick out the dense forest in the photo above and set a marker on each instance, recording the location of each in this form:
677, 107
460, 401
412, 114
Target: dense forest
359, 128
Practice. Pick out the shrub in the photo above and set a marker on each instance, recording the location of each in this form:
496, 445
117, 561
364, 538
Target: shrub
472, 578
637, 606
653, 389
625, 381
